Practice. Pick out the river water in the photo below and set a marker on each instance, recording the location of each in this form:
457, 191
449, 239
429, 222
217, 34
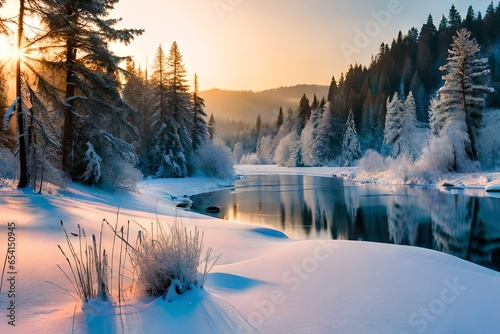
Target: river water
464, 223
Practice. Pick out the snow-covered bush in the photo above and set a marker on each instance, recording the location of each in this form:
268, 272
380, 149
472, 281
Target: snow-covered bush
238, 153
252, 159
405, 169
447, 153
265, 149
372, 161
214, 160
119, 173
7, 164
169, 259
288, 151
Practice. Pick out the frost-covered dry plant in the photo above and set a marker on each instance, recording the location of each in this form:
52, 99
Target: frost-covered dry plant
87, 267
164, 262
170, 259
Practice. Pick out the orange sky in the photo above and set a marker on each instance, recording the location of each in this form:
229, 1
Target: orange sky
261, 44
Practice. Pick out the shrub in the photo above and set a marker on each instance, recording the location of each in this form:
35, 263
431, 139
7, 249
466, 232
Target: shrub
372, 161
164, 264
126, 177
169, 260
253, 159
214, 160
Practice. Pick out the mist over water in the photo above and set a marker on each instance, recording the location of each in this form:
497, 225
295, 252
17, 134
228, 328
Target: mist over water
464, 223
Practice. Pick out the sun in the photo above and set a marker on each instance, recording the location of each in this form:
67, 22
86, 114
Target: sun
8, 52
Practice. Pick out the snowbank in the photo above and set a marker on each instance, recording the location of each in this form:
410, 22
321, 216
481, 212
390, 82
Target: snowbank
263, 282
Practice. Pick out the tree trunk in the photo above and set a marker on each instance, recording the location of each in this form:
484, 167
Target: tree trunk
23, 161
68, 141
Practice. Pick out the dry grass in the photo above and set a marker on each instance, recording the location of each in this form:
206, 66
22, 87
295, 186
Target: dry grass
87, 268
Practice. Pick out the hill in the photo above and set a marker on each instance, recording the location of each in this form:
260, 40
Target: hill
247, 105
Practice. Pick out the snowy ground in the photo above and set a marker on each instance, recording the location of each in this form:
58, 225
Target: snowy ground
263, 281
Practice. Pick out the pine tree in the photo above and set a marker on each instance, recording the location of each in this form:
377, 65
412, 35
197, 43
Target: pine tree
462, 98
159, 83
351, 149
315, 103
393, 124
179, 102
426, 54
304, 112
136, 94
309, 138
443, 24
169, 144
211, 127
332, 91
470, 18
279, 121
78, 35
285, 128
199, 132
409, 140
324, 148
258, 124
454, 18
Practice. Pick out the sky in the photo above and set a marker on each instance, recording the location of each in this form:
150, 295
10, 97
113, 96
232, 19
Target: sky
263, 44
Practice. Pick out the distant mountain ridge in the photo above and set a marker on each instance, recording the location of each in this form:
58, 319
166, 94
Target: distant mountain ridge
247, 105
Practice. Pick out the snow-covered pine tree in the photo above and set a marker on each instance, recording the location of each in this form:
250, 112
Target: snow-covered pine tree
79, 78
351, 149
93, 162
324, 144
162, 154
306, 140
265, 150
288, 151
462, 98
393, 123
199, 131
409, 141
285, 128
309, 135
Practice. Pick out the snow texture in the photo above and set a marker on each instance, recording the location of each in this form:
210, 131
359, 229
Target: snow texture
262, 282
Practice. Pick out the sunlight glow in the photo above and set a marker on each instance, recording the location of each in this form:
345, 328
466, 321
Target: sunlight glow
9, 52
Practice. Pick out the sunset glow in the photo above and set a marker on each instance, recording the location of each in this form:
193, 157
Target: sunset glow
265, 44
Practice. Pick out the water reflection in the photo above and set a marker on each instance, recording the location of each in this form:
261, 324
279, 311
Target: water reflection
463, 224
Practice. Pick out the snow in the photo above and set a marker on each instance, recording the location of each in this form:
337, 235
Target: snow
493, 186
263, 281
10, 111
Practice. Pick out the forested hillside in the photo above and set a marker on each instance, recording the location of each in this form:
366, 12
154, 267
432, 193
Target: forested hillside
401, 101
247, 105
